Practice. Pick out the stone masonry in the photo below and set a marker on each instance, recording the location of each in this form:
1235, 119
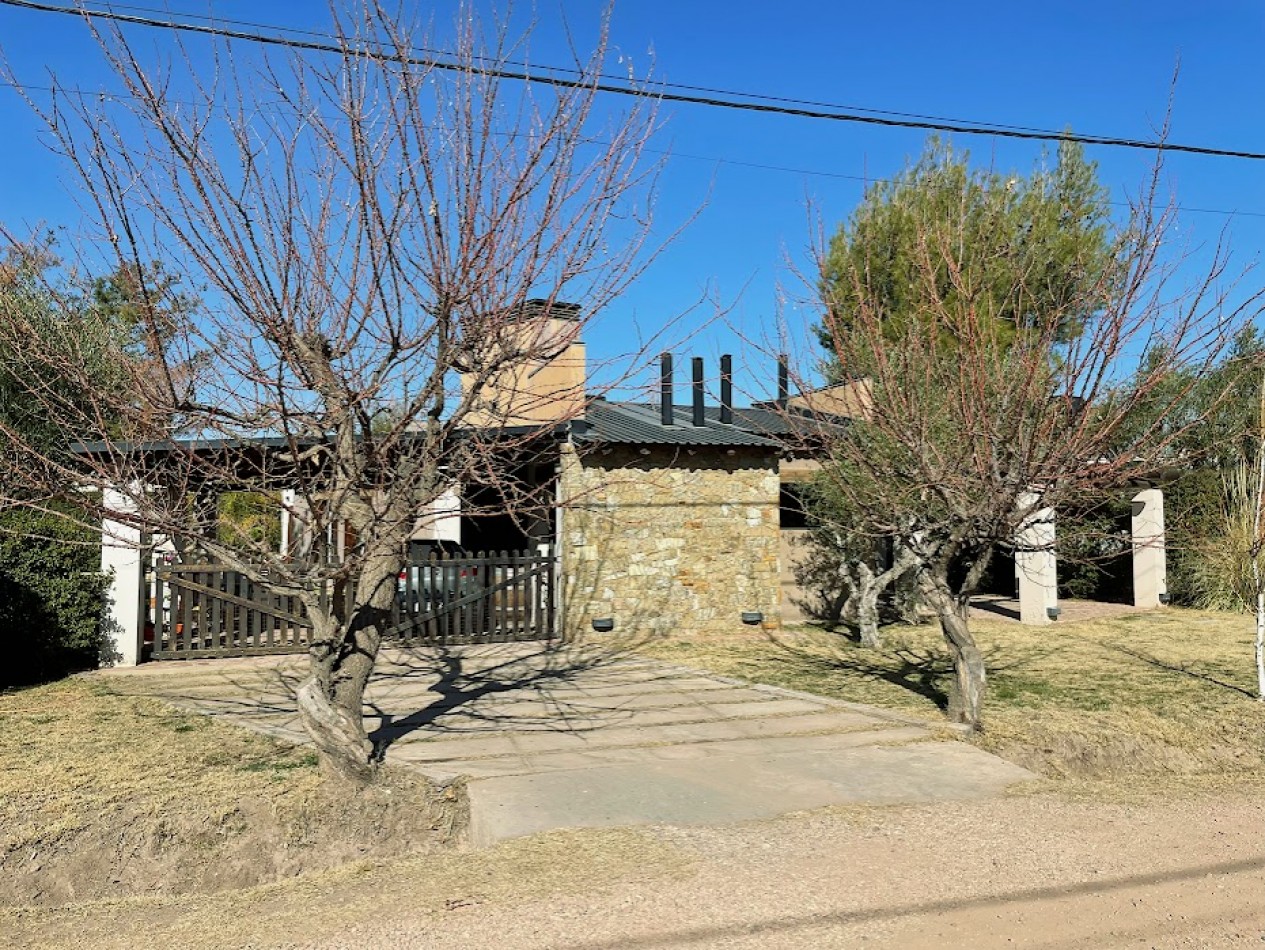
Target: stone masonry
668, 539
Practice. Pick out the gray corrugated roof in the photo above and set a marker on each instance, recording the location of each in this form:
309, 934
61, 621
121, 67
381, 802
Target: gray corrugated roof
788, 424
632, 423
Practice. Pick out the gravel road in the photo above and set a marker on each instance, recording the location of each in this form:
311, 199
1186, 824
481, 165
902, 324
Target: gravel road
1017, 872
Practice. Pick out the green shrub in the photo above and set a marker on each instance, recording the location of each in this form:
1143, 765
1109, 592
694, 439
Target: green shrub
1194, 517
51, 596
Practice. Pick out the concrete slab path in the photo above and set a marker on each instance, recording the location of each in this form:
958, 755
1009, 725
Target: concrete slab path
563, 736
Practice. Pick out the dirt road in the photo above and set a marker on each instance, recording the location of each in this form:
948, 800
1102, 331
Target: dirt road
1021, 872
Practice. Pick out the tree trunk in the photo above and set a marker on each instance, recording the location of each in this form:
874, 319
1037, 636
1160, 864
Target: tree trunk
907, 597
970, 681
343, 653
868, 590
869, 586
1260, 641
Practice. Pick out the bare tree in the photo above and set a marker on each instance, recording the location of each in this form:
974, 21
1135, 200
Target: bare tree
1244, 487
974, 425
365, 231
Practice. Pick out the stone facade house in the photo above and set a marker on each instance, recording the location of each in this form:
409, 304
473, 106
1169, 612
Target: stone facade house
656, 518
667, 527
666, 516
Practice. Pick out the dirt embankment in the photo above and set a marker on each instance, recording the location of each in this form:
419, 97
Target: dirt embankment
104, 795
131, 850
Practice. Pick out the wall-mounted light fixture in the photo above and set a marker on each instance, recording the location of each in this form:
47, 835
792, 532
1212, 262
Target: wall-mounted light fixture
752, 617
1164, 598
1053, 612
603, 624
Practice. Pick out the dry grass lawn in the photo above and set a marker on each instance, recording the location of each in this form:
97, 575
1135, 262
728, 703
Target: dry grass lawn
74, 750
103, 795
1138, 700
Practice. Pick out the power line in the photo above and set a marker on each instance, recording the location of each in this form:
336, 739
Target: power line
662, 93
215, 18
672, 153
870, 180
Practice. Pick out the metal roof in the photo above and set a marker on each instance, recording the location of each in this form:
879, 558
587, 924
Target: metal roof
628, 423
633, 423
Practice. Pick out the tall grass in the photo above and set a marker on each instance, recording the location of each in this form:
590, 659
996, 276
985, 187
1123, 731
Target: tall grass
1221, 568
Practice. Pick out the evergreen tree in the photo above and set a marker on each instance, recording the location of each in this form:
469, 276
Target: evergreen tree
1008, 246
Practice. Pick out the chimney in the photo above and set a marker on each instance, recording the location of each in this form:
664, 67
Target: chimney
665, 389
699, 417
547, 384
783, 382
726, 389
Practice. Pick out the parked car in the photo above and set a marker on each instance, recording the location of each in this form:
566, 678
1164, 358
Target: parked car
424, 584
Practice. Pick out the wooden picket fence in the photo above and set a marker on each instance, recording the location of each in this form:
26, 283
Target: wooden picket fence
209, 610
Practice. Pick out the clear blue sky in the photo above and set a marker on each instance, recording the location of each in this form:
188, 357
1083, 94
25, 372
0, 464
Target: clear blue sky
1100, 68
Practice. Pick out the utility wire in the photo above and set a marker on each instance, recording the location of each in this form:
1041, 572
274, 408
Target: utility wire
670, 153
661, 94
215, 18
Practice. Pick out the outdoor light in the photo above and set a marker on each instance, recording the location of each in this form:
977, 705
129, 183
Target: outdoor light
603, 624
752, 617
1164, 598
1053, 612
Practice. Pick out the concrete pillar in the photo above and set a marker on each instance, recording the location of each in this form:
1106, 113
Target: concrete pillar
446, 512
1150, 562
1036, 566
296, 526
288, 496
122, 557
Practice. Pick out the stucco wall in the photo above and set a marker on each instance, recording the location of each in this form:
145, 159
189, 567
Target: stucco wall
668, 542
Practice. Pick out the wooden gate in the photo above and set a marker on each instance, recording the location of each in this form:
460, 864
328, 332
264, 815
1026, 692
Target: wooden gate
488, 597
207, 610
213, 610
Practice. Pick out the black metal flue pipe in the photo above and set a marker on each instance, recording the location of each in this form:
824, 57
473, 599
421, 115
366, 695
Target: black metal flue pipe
726, 389
699, 419
665, 389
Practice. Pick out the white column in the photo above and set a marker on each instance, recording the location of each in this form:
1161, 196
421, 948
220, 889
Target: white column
1036, 566
288, 496
446, 511
296, 526
1150, 567
122, 557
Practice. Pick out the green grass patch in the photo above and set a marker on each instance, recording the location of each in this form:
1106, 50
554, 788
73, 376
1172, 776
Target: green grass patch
1169, 693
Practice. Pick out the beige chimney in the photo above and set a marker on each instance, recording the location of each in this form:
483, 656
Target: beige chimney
547, 385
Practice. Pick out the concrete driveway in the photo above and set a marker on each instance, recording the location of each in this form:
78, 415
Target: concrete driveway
564, 736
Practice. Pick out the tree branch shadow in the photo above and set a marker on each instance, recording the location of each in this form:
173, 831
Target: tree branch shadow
1181, 668
460, 686
923, 671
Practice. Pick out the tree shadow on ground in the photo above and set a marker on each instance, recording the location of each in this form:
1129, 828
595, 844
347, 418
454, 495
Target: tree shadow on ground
1180, 668
996, 605
460, 683
923, 671
917, 671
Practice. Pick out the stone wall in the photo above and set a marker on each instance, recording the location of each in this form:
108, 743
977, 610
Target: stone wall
669, 542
